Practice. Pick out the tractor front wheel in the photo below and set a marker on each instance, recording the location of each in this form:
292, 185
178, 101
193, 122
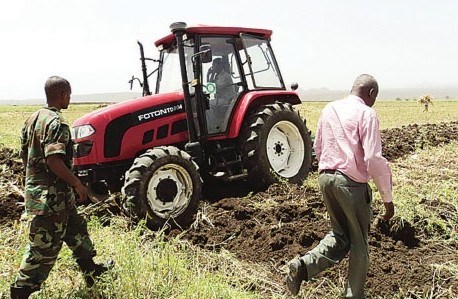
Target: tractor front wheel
163, 185
276, 145
97, 192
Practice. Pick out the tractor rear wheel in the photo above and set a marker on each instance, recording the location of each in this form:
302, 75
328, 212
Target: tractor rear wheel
163, 185
276, 146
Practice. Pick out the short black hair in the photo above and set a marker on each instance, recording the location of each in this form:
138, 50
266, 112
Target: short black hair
55, 85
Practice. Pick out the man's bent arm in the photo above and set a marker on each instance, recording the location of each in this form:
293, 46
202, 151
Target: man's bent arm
377, 165
57, 165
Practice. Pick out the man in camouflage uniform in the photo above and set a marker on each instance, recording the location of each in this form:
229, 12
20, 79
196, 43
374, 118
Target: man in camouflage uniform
46, 150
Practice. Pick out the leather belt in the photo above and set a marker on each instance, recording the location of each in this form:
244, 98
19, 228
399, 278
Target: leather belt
329, 171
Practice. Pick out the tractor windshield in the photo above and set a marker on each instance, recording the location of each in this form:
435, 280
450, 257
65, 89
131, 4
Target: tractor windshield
169, 79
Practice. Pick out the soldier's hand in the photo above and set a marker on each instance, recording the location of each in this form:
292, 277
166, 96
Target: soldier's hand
389, 211
81, 191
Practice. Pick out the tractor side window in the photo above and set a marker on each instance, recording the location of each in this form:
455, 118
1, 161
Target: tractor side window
260, 64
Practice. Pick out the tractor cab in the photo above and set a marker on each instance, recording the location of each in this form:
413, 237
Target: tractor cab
220, 64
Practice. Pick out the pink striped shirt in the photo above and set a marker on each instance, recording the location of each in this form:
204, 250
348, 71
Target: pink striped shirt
348, 140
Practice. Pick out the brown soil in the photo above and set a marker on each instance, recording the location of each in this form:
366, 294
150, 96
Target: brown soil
295, 223
398, 142
272, 227
11, 186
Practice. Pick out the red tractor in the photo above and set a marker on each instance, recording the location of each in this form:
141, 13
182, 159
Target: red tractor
220, 110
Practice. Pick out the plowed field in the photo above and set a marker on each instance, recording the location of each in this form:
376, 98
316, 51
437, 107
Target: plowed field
271, 227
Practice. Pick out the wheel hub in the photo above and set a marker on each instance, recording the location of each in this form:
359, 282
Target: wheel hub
169, 190
166, 190
279, 148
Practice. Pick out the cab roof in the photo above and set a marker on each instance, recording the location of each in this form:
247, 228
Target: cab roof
214, 30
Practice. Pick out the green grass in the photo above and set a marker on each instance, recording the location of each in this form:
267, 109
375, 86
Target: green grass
147, 266
393, 114
426, 190
12, 119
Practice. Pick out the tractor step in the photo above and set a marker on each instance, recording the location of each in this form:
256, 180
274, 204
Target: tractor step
237, 177
226, 149
228, 163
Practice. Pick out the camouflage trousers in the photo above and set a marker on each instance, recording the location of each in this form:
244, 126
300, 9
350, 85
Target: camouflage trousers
46, 236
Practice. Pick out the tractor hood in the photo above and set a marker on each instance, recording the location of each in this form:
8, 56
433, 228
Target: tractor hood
139, 109
120, 131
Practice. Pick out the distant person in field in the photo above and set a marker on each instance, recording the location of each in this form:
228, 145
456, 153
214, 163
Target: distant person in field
50, 186
349, 152
426, 100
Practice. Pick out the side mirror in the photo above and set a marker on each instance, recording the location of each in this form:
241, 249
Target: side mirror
294, 86
205, 52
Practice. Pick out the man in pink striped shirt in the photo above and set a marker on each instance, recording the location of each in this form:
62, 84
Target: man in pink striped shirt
349, 152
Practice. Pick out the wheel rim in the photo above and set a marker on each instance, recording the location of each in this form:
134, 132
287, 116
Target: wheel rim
169, 190
285, 149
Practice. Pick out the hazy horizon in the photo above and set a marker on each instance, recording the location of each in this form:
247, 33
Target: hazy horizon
313, 94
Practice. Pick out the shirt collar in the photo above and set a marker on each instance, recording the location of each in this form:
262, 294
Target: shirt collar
52, 108
355, 98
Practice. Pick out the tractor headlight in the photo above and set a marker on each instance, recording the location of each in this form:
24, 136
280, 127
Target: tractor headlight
82, 131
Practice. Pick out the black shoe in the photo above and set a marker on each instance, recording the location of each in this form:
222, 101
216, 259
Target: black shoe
20, 293
92, 270
297, 272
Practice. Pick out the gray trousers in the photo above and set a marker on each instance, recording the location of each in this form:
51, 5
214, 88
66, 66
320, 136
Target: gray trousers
349, 207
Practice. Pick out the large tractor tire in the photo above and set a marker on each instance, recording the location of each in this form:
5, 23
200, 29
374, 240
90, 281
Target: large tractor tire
275, 146
162, 186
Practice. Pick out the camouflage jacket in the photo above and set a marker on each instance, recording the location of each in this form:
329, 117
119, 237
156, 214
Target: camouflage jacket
46, 133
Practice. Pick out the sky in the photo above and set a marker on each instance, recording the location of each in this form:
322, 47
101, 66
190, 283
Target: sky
319, 44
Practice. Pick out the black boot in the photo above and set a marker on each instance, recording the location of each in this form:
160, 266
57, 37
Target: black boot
20, 293
297, 272
92, 270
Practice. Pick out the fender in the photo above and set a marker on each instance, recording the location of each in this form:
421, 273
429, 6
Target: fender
250, 101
